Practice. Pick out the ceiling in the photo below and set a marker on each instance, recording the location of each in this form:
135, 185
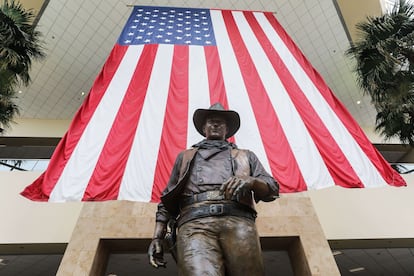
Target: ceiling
78, 36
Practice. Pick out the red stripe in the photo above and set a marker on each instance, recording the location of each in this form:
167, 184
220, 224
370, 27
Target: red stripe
215, 79
107, 175
174, 131
281, 159
389, 174
215, 76
41, 188
334, 158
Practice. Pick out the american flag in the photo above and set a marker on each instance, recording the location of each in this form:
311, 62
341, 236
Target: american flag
168, 62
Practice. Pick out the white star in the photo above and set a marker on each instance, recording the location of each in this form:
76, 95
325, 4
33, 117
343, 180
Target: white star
127, 41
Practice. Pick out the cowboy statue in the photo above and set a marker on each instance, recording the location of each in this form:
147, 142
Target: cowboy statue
211, 196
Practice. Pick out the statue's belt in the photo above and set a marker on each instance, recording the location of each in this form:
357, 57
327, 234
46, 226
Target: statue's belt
216, 209
205, 196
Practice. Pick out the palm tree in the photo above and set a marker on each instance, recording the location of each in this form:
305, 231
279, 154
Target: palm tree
385, 69
19, 45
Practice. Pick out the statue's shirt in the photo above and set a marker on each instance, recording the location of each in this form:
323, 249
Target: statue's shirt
211, 168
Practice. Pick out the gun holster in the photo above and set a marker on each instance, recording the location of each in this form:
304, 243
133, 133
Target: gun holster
171, 238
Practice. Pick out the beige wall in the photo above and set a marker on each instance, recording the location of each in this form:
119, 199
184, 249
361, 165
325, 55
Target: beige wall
25, 221
376, 213
355, 11
38, 128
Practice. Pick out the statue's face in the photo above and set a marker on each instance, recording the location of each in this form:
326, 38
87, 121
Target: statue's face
215, 128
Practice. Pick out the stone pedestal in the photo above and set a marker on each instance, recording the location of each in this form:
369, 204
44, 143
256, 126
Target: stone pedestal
289, 223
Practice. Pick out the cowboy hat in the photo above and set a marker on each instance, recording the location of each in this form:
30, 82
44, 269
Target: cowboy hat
231, 117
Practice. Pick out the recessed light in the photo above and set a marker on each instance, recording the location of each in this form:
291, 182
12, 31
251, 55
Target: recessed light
83, 93
336, 252
356, 269
3, 262
358, 102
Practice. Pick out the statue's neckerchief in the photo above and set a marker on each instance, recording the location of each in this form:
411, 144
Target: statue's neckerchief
208, 148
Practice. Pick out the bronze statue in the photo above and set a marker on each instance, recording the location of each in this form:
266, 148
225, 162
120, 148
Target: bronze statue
209, 198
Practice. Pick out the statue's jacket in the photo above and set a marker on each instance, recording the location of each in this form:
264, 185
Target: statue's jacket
242, 163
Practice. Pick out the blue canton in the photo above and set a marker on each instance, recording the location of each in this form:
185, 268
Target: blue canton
162, 25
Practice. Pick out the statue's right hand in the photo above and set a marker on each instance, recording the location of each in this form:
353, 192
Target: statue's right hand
156, 253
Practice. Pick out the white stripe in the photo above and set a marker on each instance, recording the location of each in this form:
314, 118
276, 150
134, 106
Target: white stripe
248, 135
138, 178
363, 167
79, 168
304, 149
198, 90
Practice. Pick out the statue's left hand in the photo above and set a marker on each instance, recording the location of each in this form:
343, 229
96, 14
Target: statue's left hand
236, 186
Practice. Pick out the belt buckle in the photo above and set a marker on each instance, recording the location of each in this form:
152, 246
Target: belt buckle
212, 195
216, 209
